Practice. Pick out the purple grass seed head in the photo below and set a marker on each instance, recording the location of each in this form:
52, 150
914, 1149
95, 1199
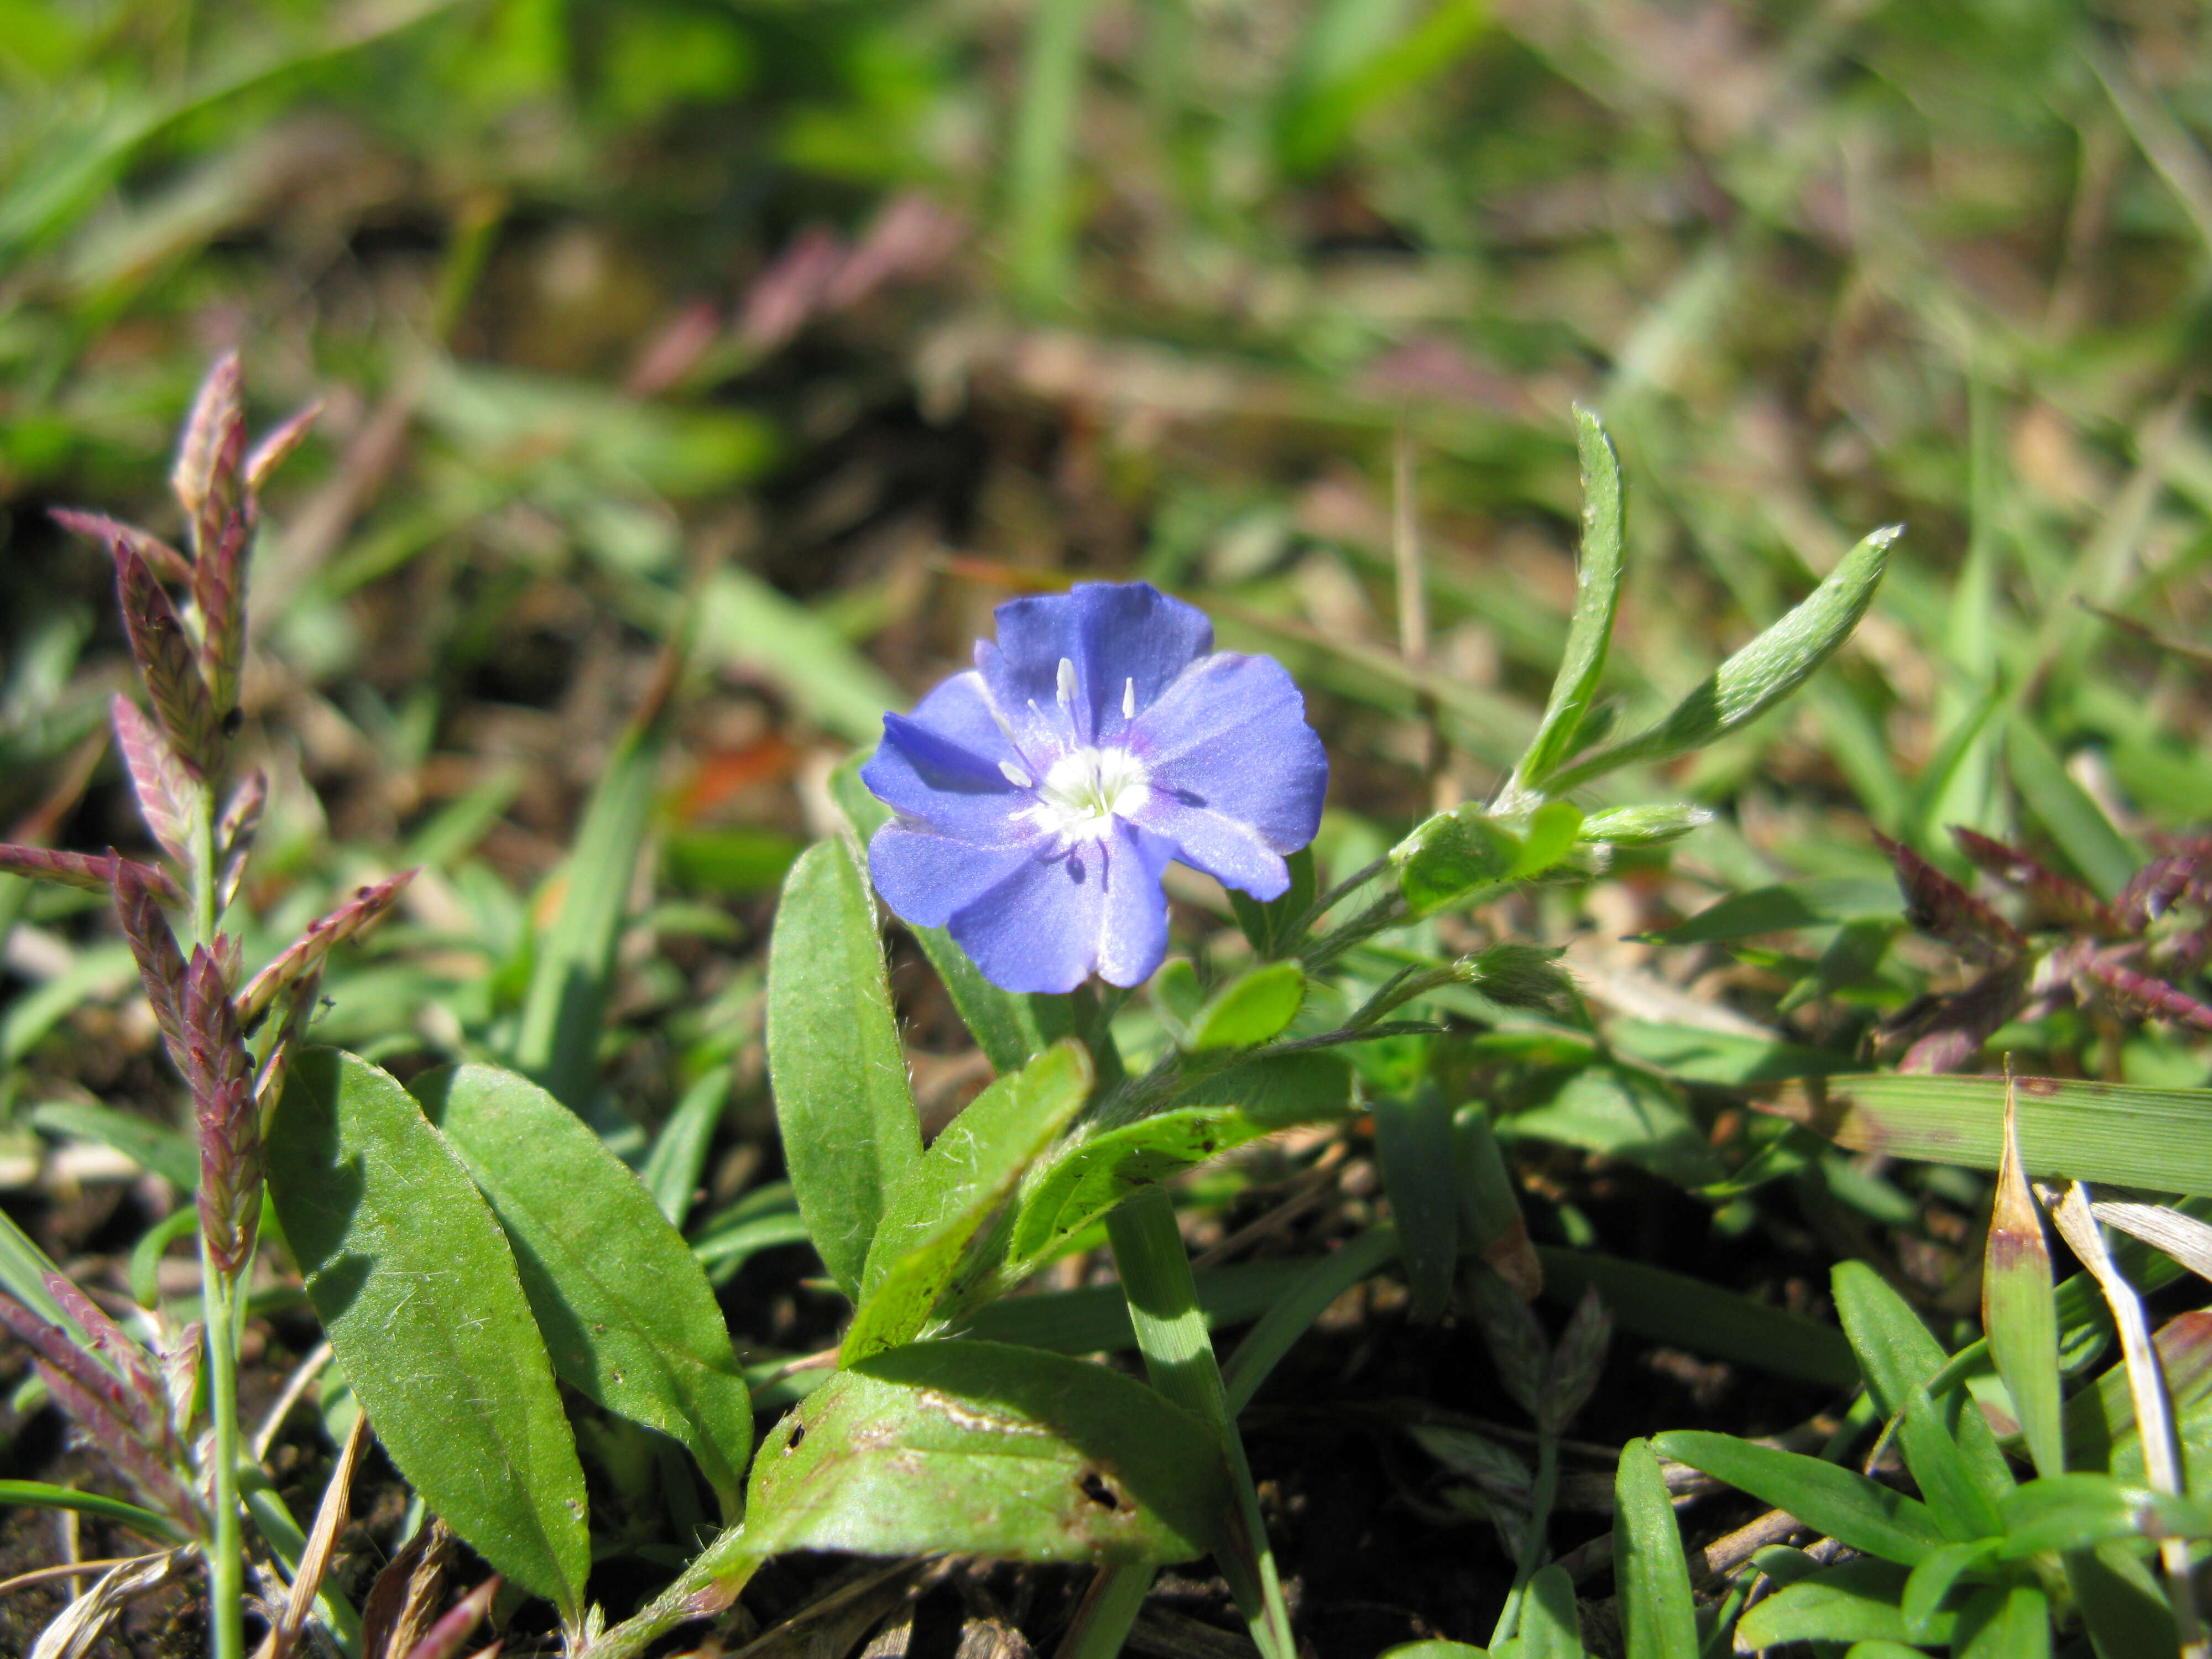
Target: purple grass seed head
1040, 795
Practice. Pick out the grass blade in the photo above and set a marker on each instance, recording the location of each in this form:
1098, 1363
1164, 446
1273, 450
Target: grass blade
2122, 1134
1658, 1618
566, 1009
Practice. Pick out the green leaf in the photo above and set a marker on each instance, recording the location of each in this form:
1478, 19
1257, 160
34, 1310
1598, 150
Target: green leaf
1549, 1629
41, 1495
153, 1146
1948, 1479
564, 1014
1420, 1171
1250, 1010
1597, 596
1813, 904
1549, 835
1278, 1091
2122, 1605
1933, 1580
978, 1448
1275, 928
1451, 857
1436, 1650
1674, 1308
968, 1172
1625, 1114
2112, 1133
1658, 1617
2073, 1511
1898, 1357
1095, 1319
1854, 1602
1761, 674
2008, 1621
743, 621
1839, 1502
1092, 1176
627, 1315
419, 1296
850, 1135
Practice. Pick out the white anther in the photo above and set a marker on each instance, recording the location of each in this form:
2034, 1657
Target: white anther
1016, 776
1067, 684
1128, 700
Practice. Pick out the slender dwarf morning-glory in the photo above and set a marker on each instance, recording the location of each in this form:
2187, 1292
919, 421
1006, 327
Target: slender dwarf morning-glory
1040, 794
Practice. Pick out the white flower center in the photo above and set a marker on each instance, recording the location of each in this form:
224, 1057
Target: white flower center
1087, 789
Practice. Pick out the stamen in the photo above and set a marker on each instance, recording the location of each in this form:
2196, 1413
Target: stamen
1067, 684
1016, 776
1129, 699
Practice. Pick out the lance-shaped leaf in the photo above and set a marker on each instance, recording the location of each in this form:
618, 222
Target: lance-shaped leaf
413, 1279
850, 1135
1760, 675
1094, 1175
153, 947
1658, 1618
2102, 1429
1597, 596
182, 707
89, 873
306, 954
2125, 1134
211, 454
168, 795
627, 1315
978, 1448
1840, 1502
167, 564
225, 1114
968, 1172
2017, 1309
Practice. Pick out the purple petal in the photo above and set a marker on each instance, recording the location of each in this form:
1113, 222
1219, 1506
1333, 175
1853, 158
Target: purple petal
942, 766
1065, 913
1116, 636
925, 877
1237, 776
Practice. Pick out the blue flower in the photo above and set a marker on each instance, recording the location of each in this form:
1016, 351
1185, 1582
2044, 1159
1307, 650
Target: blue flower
1040, 795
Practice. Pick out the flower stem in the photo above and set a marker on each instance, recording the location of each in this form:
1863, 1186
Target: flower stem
226, 1550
